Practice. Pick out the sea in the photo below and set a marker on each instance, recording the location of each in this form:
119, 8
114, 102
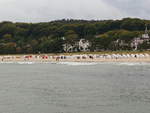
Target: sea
73, 87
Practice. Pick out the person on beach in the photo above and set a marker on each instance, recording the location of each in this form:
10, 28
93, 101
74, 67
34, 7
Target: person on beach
83, 57
57, 58
78, 57
91, 57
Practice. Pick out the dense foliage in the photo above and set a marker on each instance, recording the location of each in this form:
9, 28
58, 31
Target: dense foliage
49, 37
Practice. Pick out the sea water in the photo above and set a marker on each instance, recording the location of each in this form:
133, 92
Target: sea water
74, 87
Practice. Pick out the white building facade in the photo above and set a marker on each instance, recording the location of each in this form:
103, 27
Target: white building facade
82, 45
140, 40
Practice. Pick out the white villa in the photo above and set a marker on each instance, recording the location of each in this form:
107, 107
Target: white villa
82, 45
139, 40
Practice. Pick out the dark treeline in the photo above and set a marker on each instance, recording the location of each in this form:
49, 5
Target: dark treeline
48, 37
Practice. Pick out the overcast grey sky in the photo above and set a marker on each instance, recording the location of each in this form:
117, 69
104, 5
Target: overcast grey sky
47, 10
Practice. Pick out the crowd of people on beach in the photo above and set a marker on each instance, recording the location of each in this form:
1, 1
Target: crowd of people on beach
71, 57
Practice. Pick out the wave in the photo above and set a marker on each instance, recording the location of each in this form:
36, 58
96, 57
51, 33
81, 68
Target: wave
105, 63
25, 62
17, 62
83, 63
134, 63
77, 63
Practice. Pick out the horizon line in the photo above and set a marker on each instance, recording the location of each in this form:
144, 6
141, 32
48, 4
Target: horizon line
75, 19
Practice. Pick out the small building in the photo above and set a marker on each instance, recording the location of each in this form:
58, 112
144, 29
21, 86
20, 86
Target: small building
68, 48
140, 40
82, 45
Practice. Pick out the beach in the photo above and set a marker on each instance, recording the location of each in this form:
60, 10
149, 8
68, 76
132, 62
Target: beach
41, 58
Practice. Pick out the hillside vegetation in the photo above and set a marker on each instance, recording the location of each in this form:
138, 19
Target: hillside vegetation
48, 37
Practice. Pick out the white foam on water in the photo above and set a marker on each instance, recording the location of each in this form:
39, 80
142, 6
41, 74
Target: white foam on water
25, 62
6, 62
77, 63
17, 62
134, 63
83, 63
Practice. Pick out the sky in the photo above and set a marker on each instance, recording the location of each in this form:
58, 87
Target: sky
48, 10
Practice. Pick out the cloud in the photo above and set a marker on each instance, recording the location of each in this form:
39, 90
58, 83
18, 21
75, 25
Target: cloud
47, 10
132, 8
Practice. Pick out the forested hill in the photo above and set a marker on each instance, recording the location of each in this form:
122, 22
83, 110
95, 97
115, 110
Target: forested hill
48, 37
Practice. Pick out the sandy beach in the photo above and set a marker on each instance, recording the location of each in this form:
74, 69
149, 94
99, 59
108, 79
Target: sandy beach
77, 58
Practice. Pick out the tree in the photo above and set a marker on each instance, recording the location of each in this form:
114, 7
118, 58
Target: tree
7, 37
127, 36
71, 37
9, 48
8, 28
133, 24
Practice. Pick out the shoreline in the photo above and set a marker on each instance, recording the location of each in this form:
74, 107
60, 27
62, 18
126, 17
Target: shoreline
91, 58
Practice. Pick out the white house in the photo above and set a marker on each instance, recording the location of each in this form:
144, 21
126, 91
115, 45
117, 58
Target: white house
139, 40
81, 45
